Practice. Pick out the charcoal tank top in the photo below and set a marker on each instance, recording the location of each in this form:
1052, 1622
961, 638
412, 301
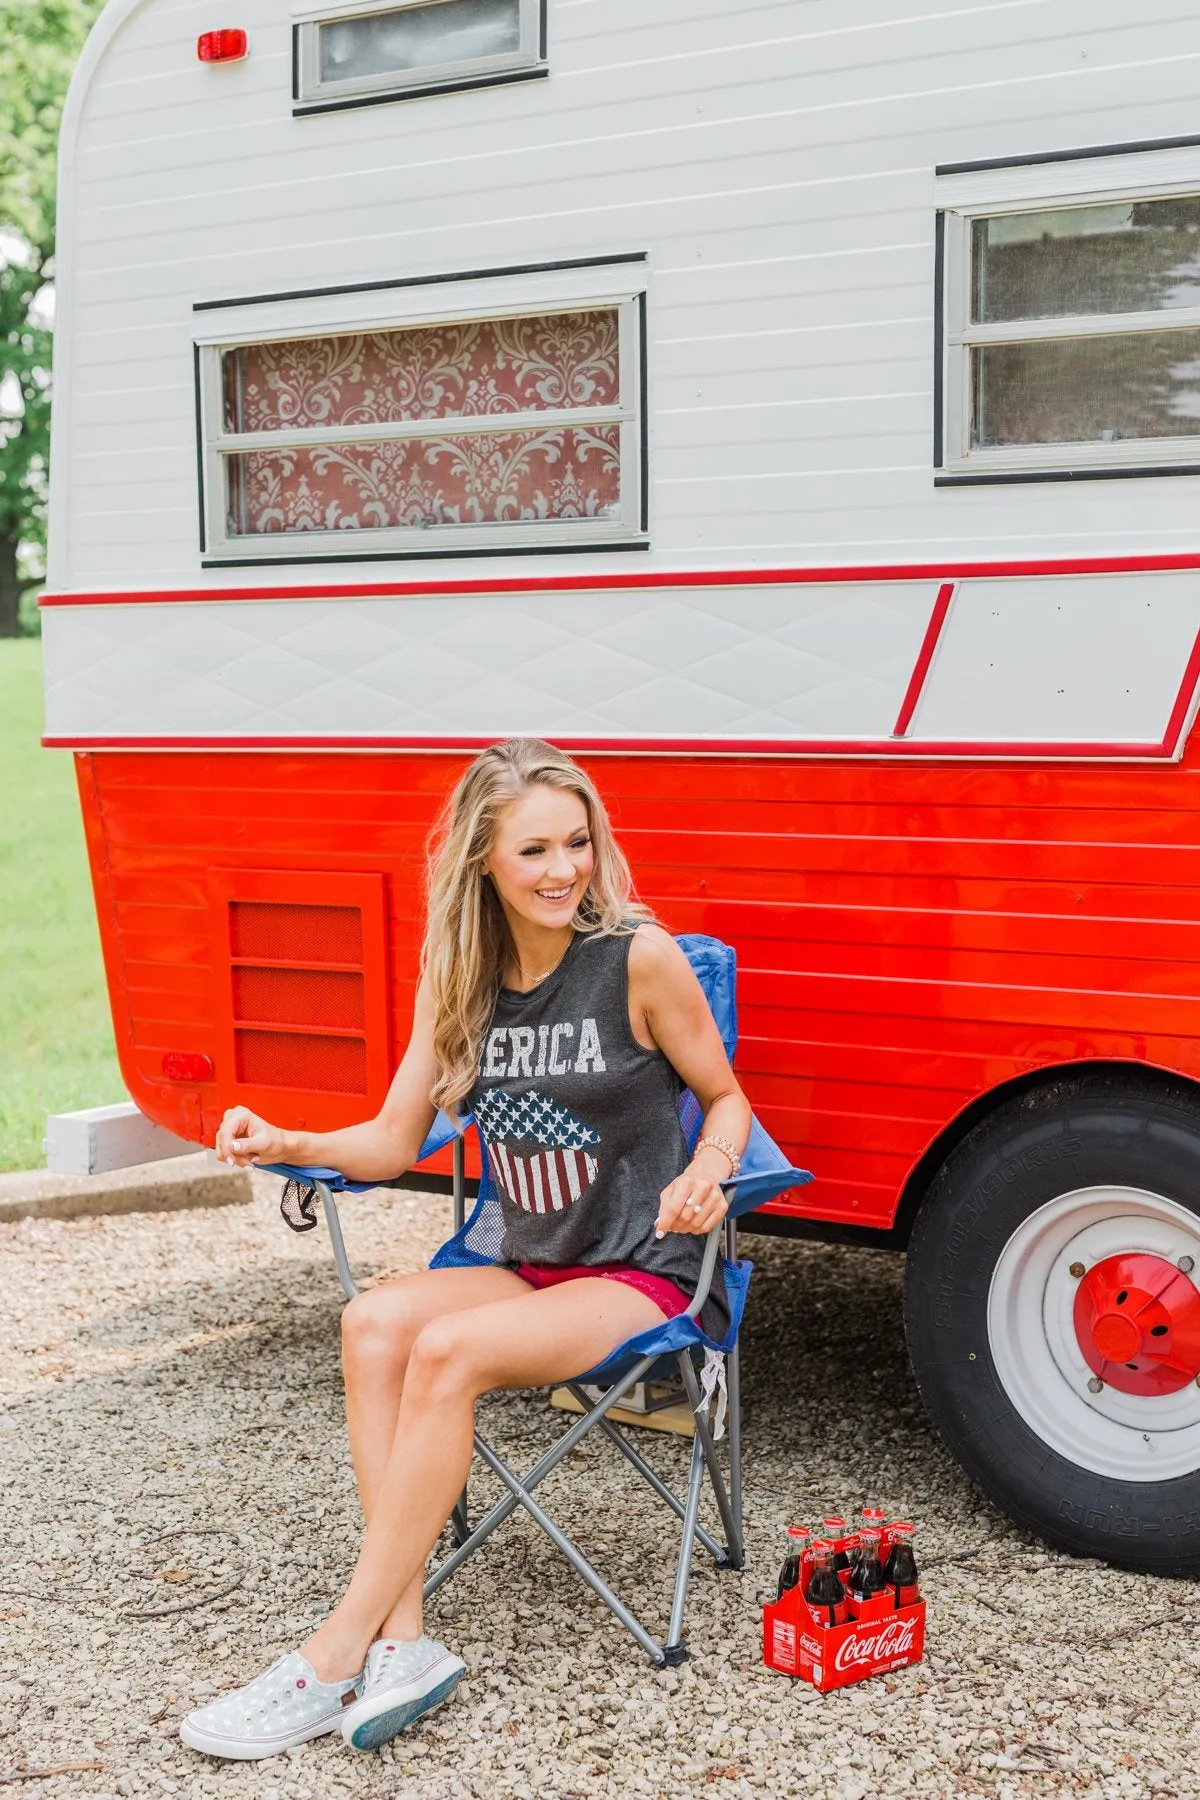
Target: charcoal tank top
581, 1124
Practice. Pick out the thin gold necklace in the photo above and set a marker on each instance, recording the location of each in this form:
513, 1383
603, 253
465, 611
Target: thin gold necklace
536, 980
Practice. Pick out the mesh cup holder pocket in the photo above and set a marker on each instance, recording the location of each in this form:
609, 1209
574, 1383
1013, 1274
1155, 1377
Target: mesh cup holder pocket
298, 1205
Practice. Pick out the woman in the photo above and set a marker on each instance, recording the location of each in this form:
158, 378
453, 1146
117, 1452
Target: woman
553, 1006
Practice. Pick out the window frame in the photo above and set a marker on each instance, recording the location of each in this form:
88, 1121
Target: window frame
311, 94
1044, 186
557, 292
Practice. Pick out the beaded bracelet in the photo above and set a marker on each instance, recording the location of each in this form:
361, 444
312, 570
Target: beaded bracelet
726, 1149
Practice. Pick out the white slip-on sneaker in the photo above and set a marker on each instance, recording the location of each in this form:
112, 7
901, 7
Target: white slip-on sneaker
401, 1681
285, 1705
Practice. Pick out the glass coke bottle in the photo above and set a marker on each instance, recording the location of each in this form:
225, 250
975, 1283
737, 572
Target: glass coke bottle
900, 1570
835, 1531
872, 1518
868, 1578
789, 1574
824, 1592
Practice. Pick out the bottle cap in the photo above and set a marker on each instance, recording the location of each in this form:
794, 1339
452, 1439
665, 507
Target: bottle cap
799, 1531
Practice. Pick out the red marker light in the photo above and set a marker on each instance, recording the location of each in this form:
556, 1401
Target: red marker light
187, 1065
221, 46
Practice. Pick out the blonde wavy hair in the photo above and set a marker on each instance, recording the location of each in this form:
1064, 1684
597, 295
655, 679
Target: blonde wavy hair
467, 940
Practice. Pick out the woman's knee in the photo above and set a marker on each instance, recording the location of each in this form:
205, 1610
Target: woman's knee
445, 1356
378, 1325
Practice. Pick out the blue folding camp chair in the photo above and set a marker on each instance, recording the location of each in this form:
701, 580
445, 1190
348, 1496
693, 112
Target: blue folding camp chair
678, 1343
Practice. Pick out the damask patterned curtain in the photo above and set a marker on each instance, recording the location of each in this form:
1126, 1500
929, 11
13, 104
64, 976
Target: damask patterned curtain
480, 423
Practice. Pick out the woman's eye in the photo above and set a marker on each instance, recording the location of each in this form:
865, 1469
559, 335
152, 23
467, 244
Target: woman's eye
581, 843
532, 850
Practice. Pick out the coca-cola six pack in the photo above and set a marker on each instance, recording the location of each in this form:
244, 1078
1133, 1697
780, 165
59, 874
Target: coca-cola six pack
848, 1603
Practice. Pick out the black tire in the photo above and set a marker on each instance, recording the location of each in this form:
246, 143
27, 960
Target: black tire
1120, 1127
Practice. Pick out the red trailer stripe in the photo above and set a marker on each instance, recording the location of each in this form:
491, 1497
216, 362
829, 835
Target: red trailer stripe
947, 570
929, 644
1183, 701
1000, 750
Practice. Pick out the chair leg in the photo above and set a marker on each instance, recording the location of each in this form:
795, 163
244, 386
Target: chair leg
675, 1651
704, 1457
576, 1558
704, 1440
649, 1475
737, 1554
504, 1508
733, 1383
341, 1260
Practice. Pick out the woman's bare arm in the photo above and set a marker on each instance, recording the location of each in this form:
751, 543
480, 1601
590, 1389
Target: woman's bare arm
668, 1008
377, 1149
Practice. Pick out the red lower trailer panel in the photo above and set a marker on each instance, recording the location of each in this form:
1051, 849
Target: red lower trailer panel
910, 936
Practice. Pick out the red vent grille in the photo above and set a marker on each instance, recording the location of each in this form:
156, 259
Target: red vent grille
298, 997
308, 986
294, 932
292, 1059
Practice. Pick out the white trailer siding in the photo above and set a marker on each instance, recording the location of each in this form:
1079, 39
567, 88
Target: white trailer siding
774, 161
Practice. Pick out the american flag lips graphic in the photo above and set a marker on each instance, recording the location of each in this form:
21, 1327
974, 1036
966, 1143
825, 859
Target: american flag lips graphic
542, 1156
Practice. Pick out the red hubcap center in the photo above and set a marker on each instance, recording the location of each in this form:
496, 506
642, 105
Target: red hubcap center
1137, 1320
1116, 1337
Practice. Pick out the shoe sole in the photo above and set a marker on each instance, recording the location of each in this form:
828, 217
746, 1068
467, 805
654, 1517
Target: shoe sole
372, 1733
245, 1749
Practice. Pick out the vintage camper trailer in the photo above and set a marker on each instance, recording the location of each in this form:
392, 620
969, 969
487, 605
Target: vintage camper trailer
793, 408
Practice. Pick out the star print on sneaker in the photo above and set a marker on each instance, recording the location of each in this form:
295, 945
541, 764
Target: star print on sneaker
285, 1705
401, 1681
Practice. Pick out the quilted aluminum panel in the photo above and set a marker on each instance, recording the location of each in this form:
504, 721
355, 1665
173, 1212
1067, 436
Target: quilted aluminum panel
724, 664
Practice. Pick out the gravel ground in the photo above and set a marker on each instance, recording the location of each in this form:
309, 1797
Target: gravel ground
178, 1508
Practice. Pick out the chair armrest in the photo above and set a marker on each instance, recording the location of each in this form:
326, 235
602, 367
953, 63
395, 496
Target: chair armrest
757, 1186
711, 1248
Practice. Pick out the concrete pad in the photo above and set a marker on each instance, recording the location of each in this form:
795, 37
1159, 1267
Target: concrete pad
179, 1183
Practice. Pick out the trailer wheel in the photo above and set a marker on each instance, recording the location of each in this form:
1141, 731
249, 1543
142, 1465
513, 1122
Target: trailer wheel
1053, 1315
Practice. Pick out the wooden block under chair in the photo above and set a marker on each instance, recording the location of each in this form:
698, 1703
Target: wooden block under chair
654, 1406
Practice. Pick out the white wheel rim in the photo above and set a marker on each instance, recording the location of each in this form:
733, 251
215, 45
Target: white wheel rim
1031, 1334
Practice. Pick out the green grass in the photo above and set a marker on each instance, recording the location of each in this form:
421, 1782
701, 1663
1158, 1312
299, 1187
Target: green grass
56, 1041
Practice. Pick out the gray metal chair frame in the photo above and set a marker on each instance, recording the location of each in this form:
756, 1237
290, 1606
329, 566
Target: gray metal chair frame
705, 1458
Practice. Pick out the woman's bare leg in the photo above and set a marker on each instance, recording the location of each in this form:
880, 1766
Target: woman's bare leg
530, 1340
379, 1329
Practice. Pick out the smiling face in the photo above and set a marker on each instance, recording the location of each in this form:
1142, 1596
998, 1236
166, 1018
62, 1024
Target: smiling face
541, 859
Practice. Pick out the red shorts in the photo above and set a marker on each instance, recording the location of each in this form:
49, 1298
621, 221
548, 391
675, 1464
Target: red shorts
669, 1299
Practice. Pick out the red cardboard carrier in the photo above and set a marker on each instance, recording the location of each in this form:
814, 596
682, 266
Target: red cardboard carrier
798, 1640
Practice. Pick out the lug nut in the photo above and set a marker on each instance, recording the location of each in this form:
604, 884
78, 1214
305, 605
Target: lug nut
1078, 1270
1187, 1264
1095, 1385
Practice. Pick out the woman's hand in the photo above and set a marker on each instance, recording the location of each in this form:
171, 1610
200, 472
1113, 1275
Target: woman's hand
244, 1139
693, 1203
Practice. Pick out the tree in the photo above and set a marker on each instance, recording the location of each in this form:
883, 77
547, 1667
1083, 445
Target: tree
42, 39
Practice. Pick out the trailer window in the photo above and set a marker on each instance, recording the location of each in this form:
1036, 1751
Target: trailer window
1073, 337
360, 53
478, 434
